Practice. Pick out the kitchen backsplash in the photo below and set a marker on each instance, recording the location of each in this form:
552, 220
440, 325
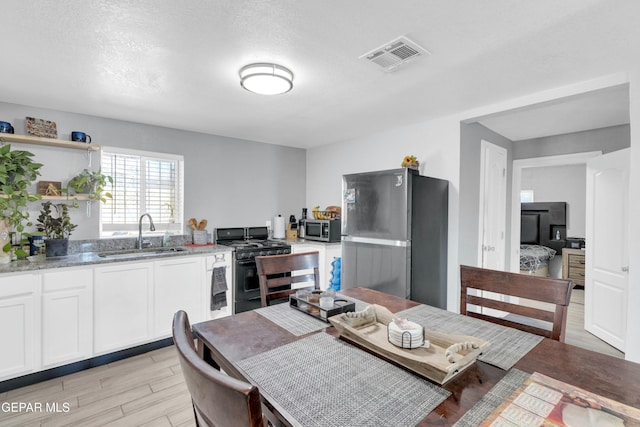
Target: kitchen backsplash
105, 245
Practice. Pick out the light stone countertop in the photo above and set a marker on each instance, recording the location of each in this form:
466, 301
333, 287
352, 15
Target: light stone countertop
93, 257
88, 252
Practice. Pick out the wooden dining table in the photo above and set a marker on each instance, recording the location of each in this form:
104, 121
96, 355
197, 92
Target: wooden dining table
225, 342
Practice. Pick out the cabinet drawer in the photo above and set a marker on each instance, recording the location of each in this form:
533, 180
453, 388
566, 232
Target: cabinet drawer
576, 261
577, 276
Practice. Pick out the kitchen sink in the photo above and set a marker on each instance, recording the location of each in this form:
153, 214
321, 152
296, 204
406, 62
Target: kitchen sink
135, 253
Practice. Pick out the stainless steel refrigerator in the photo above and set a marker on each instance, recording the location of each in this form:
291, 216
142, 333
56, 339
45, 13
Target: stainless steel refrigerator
394, 234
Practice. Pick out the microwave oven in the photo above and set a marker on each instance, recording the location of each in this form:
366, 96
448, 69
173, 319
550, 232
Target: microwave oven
323, 230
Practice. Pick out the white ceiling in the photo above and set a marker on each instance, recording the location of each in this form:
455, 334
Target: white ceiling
586, 111
175, 63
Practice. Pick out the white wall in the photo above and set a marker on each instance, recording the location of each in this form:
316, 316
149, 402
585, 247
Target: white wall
230, 182
560, 184
436, 144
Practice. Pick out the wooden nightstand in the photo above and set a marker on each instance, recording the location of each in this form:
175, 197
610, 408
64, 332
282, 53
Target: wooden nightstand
573, 265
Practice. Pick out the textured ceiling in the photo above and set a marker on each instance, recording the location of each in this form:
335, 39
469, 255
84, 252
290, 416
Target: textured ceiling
175, 63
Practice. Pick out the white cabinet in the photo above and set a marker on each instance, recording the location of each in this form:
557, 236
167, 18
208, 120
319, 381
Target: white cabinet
327, 251
67, 321
219, 260
122, 306
53, 317
19, 319
178, 285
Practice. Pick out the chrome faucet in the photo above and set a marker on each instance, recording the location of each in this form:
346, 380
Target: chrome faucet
151, 228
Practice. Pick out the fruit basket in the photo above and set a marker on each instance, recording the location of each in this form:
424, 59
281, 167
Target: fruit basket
326, 215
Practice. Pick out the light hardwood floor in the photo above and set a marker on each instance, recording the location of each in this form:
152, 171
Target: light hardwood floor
148, 390
145, 390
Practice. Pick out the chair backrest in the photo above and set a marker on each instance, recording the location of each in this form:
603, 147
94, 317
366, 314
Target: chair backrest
524, 317
218, 399
276, 278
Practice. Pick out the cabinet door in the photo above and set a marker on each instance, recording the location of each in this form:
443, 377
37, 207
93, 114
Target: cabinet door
122, 298
178, 285
19, 318
301, 249
67, 319
221, 259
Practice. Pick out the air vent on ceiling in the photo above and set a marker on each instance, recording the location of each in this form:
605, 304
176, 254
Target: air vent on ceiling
391, 55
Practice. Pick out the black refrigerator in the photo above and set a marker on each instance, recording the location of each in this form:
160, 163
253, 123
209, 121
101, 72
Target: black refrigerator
394, 234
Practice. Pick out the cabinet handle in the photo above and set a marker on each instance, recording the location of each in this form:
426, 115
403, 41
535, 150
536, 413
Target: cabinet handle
625, 269
219, 258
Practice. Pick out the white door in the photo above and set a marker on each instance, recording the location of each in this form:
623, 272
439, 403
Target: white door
607, 255
493, 205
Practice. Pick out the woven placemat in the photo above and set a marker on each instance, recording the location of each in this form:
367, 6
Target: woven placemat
323, 381
508, 345
292, 320
501, 391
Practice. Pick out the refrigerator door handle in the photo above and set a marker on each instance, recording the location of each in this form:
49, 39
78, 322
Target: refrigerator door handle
374, 241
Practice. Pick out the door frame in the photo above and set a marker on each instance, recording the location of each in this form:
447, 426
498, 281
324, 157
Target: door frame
518, 166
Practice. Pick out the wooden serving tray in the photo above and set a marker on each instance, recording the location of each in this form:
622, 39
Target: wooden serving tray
431, 363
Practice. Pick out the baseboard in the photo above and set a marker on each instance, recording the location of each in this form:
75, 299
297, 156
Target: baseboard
60, 371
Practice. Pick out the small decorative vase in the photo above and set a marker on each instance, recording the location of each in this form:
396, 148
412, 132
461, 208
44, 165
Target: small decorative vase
56, 247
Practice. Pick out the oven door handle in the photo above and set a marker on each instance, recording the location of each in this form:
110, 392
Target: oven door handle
245, 262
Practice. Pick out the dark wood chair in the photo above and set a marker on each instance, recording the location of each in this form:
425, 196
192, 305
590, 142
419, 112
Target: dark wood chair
276, 275
529, 318
218, 399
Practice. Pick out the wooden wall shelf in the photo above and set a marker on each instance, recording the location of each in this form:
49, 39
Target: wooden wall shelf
75, 197
49, 142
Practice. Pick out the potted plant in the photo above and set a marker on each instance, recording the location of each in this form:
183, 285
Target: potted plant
17, 173
57, 227
91, 183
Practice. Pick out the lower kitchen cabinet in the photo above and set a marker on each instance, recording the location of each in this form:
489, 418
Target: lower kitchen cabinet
327, 252
54, 317
122, 309
19, 324
177, 286
67, 320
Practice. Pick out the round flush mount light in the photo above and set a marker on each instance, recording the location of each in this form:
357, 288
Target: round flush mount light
266, 79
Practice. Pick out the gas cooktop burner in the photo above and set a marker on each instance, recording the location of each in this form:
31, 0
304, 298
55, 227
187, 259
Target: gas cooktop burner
250, 242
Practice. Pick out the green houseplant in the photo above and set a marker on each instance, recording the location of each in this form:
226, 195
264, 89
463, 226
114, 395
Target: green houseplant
55, 223
91, 183
18, 172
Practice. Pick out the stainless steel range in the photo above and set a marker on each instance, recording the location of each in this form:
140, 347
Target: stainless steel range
248, 242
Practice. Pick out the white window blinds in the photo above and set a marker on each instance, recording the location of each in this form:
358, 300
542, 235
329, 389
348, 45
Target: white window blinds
143, 182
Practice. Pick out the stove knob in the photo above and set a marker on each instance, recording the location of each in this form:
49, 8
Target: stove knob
272, 252
239, 256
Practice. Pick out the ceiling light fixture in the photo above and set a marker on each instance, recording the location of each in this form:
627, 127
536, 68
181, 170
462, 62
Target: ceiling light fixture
266, 79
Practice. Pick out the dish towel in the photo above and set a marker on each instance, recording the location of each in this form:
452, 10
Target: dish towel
218, 288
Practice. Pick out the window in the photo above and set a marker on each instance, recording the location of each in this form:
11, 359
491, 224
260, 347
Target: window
143, 182
526, 196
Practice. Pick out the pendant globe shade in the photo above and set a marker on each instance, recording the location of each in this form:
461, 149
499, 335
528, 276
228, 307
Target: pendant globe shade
266, 79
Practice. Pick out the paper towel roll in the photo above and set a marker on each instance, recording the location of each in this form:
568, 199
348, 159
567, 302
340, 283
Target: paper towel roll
278, 227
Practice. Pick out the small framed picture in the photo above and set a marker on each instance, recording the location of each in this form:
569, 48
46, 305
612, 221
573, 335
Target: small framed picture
50, 188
